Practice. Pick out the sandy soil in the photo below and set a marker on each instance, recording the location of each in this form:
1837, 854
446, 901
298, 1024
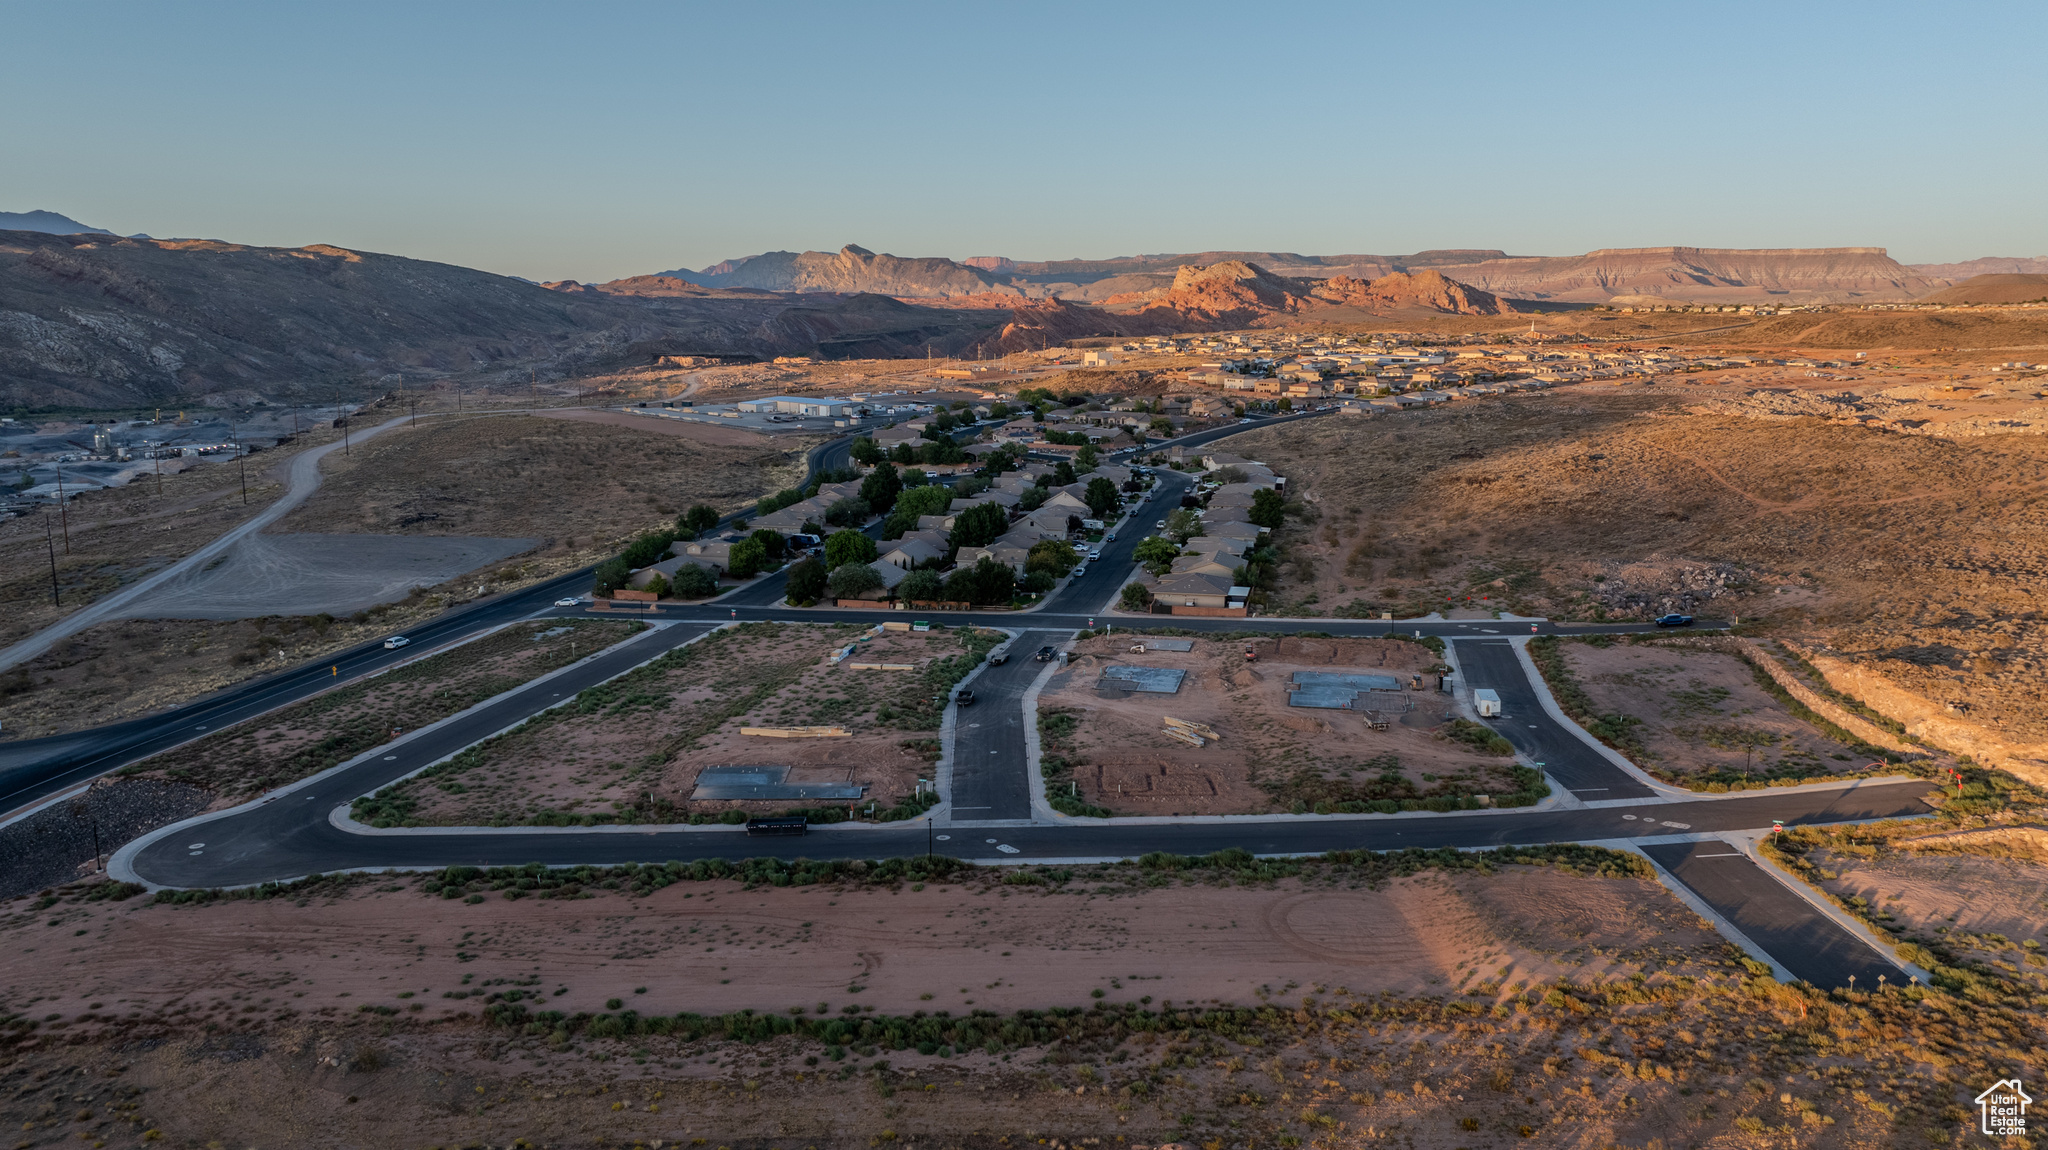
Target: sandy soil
633, 750
1270, 755
1700, 712
1920, 556
309, 737
701, 432
297, 575
581, 486
1964, 899
255, 1033
713, 947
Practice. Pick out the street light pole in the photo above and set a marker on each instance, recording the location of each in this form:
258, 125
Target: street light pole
55, 598
63, 514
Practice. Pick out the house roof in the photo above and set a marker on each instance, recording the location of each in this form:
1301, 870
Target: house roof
1194, 583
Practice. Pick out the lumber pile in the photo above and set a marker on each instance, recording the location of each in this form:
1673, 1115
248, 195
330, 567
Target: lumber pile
881, 666
796, 732
1193, 734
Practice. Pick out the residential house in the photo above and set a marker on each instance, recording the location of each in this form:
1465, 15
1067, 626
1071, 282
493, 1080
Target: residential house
909, 552
891, 576
1011, 550
1212, 563
715, 554
1193, 589
1018, 429
911, 433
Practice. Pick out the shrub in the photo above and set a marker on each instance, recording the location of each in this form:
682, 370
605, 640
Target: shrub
921, 586
853, 580
692, 582
1136, 597
806, 581
609, 577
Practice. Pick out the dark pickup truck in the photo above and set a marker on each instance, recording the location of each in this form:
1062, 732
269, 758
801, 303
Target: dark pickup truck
1674, 620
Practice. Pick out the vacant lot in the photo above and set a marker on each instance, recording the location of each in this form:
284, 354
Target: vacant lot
1108, 748
579, 486
631, 750
1922, 558
1445, 1008
307, 738
1699, 714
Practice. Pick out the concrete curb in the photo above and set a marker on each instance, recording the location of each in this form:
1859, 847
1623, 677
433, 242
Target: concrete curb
1520, 643
124, 857
1034, 751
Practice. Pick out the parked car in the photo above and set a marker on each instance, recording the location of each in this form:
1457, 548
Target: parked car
964, 699
1109, 538
395, 642
999, 656
1674, 620
1045, 654
1159, 526
569, 602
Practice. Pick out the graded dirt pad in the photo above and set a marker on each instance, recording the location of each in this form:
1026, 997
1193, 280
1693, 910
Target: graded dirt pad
1701, 712
1920, 557
316, 574
578, 486
306, 738
1524, 1006
631, 750
1270, 755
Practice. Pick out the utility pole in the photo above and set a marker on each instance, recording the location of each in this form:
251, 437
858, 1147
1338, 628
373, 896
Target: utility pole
239, 461
51, 540
156, 455
344, 433
63, 515
415, 412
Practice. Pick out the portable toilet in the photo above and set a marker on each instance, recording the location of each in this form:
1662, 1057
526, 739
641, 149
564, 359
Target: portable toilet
1488, 703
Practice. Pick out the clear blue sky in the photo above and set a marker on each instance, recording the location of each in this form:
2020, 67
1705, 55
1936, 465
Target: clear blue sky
593, 140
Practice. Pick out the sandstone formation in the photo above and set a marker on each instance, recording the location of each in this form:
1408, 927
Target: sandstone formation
1989, 265
1426, 290
1996, 288
852, 269
1707, 275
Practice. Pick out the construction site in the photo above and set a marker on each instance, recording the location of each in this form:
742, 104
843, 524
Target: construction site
1150, 725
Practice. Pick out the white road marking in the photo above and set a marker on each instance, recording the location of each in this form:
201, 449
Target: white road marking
1007, 849
196, 846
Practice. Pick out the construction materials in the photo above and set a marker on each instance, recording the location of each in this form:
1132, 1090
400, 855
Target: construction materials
796, 732
881, 666
1332, 691
1376, 720
1188, 737
1155, 643
1201, 729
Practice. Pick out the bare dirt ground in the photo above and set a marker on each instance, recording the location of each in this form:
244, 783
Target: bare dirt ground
306, 574
308, 737
580, 486
1444, 1009
1919, 557
632, 750
1992, 906
1701, 712
700, 432
1270, 755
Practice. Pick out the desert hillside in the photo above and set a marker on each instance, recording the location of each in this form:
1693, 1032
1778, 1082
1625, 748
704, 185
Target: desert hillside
2009, 288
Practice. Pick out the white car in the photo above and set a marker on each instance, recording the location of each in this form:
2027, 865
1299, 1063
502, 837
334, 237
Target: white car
395, 642
1094, 553
569, 602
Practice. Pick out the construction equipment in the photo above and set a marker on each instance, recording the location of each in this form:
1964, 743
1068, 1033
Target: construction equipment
1251, 653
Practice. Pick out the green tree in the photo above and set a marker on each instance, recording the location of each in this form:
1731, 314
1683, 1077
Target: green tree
1225, 476
806, 582
773, 544
1162, 425
920, 586
852, 581
749, 558
648, 549
699, 519
914, 503
1054, 555
979, 525
987, 583
849, 547
693, 582
1183, 524
1156, 553
1269, 507
849, 513
609, 577
879, 489
1101, 496
1038, 582
865, 451
658, 584
903, 453
1063, 474
1032, 499
1137, 597
1085, 459
999, 410
770, 504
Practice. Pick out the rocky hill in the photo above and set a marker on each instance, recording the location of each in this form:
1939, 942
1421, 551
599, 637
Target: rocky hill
94, 320
54, 223
1238, 293
1989, 265
851, 270
1705, 275
1994, 289
1425, 290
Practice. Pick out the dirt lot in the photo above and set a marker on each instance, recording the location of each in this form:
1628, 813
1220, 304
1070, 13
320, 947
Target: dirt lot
580, 486
631, 750
309, 737
1701, 713
1270, 756
1448, 1008
1921, 557
1991, 906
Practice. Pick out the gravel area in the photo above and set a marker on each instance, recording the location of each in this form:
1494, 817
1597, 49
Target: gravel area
48, 847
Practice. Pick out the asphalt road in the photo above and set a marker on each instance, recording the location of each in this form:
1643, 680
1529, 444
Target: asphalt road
1805, 942
1492, 663
991, 775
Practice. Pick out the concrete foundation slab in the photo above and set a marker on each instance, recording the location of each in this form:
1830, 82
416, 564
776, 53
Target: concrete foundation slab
1154, 680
